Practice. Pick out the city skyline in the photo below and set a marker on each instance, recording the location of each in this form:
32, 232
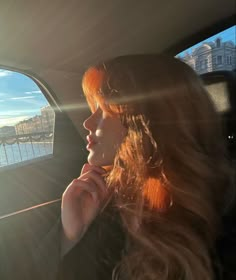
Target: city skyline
20, 98
38, 123
26, 119
226, 35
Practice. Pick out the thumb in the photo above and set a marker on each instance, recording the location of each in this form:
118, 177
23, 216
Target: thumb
85, 168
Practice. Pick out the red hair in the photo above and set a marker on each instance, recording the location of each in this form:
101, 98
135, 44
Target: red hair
170, 174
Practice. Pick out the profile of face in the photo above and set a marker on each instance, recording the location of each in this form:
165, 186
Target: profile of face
106, 134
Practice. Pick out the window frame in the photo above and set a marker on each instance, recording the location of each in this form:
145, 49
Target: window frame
202, 35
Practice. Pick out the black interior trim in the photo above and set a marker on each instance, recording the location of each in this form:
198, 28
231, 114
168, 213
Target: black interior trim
202, 35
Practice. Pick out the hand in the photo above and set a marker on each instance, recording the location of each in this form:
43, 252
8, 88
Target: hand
82, 201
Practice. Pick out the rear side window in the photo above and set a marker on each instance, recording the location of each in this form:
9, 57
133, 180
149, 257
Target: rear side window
213, 54
26, 120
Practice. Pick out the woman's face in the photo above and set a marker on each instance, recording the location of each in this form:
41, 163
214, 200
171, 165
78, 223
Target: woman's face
106, 134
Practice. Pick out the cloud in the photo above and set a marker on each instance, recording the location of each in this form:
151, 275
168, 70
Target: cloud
5, 73
33, 91
21, 97
12, 121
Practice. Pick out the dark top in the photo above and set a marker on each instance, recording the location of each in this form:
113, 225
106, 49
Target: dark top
98, 252
30, 247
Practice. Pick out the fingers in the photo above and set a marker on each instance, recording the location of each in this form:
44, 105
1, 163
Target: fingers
92, 176
88, 187
91, 182
87, 167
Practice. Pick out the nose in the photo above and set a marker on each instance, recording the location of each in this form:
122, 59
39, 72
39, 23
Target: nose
90, 123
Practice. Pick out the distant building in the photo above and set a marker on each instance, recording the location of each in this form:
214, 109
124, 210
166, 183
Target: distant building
212, 56
39, 123
28, 126
20, 128
6, 131
48, 118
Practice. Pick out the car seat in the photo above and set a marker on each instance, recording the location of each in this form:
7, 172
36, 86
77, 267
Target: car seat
221, 88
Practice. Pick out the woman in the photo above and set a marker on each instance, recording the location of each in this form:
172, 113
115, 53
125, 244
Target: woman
157, 159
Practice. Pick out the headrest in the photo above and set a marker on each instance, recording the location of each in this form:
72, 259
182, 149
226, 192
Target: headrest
221, 87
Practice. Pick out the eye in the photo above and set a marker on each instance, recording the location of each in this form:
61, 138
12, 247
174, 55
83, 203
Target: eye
98, 112
96, 105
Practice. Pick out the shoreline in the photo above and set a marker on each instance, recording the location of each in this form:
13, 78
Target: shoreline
28, 143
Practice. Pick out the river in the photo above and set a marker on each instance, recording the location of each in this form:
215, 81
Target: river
10, 154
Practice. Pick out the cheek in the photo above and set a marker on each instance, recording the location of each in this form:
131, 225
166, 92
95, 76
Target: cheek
111, 130
120, 135
99, 132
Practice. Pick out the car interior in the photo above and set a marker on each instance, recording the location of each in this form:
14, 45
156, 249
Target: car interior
54, 42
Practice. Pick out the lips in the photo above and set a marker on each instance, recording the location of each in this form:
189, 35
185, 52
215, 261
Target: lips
91, 142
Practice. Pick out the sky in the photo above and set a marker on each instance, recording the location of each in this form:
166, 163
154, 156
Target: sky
226, 35
20, 98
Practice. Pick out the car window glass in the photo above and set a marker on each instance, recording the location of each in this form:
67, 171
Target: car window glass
26, 120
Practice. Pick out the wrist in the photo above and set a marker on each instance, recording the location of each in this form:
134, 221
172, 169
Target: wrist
67, 243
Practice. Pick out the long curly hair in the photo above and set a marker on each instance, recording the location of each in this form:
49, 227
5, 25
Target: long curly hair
170, 174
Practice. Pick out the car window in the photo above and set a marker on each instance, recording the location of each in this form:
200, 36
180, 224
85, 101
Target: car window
26, 120
216, 53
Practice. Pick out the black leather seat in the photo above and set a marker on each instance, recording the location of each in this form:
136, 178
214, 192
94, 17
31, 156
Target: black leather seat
221, 86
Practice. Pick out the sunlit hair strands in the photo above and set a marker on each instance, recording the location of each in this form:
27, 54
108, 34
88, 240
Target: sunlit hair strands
170, 174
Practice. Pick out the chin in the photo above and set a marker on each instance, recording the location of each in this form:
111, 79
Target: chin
95, 161
92, 160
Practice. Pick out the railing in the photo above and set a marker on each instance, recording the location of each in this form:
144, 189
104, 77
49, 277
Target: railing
19, 148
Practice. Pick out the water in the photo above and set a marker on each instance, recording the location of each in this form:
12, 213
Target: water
10, 154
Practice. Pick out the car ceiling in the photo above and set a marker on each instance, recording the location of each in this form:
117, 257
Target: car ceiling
58, 40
